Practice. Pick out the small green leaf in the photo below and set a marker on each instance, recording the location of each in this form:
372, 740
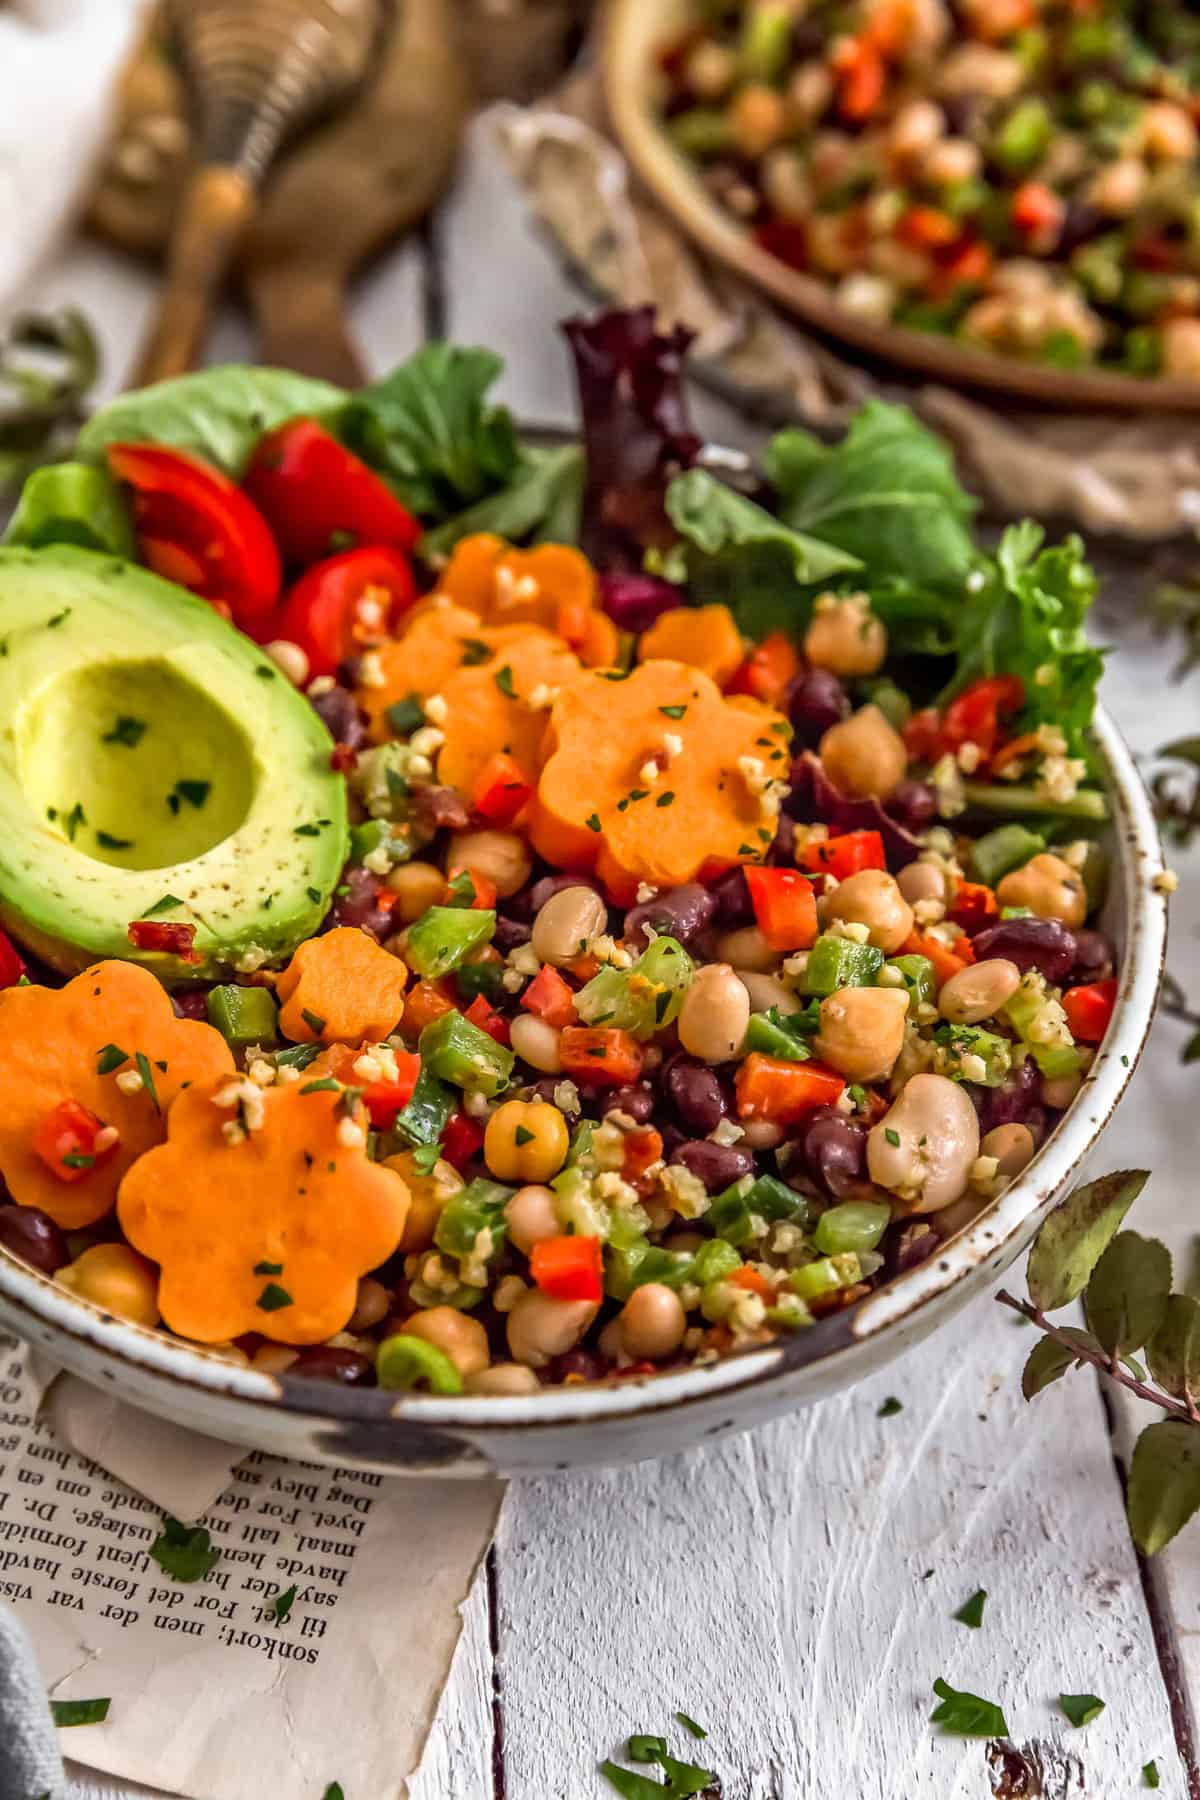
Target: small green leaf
314, 1021
971, 1611
673, 712
890, 1408
183, 1553
642, 1747
79, 1712
697, 1731
1081, 1709
1076, 1235
1150, 1774
147, 1074
298, 1056
504, 681
127, 731
268, 1268
107, 841
1127, 1295
1049, 1359
274, 1298
1174, 1351
109, 1058
168, 903
1164, 1483
966, 1714
406, 716
630, 1785
425, 1158
334, 1791
283, 1603
326, 1085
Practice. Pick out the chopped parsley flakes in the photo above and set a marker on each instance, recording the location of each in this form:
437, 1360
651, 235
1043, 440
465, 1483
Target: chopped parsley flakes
183, 1553
126, 731
194, 792
274, 1298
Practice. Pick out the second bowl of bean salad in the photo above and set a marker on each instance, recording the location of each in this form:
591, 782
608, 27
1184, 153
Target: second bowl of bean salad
723, 923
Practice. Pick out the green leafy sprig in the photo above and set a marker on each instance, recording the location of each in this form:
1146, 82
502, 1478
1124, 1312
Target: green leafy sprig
48, 365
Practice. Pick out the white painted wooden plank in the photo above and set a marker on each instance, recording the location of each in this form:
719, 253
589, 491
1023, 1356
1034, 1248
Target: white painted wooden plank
793, 1590
457, 1764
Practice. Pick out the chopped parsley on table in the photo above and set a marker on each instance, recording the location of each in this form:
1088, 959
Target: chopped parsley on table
184, 1553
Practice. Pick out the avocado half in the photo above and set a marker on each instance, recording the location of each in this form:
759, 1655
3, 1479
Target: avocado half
153, 763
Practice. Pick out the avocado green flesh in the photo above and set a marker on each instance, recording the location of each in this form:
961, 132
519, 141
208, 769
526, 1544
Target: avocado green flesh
148, 750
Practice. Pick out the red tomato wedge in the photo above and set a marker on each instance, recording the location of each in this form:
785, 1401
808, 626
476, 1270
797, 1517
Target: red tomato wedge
318, 497
346, 603
197, 528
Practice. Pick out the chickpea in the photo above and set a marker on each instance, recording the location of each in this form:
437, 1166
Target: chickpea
871, 898
761, 1134
766, 991
924, 1147
862, 1031
525, 1140
870, 297
536, 1043
714, 1015
652, 1322
1013, 1148
568, 922
1119, 187
864, 755
456, 1334
532, 1217
978, 70
710, 70
978, 991
757, 120
290, 659
845, 636
273, 1359
419, 885
540, 1328
507, 1381
373, 1304
116, 1278
954, 161
747, 948
1058, 1091
917, 127
1049, 887
1166, 132
427, 1194
921, 881
786, 186
809, 92
1181, 348
502, 856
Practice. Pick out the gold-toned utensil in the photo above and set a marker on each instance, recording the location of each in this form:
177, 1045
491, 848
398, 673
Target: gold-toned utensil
255, 73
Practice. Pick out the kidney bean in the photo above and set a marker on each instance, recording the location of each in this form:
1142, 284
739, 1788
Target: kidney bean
549, 885
583, 1365
322, 1362
782, 853
634, 601
912, 1246
546, 1088
192, 1005
1094, 956
637, 1102
338, 712
440, 809
510, 934
1042, 944
1014, 1099
1081, 222
835, 1149
696, 1093
716, 1165
913, 805
360, 906
731, 895
681, 912
33, 1236
816, 701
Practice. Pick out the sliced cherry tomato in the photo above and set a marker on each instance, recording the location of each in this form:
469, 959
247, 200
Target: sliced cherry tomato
569, 1268
767, 670
975, 717
845, 855
346, 603
1089, 1009
318, 497
785, 907
500, 790
165, 938
71, 1140
197, 528
11, 966
461, 1140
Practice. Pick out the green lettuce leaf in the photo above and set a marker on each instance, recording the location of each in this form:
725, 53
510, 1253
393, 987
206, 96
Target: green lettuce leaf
887, 494
218, 414
542, 503
429, 428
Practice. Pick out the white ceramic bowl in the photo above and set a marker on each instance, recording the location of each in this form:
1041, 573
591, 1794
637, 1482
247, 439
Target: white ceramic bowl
568, 1427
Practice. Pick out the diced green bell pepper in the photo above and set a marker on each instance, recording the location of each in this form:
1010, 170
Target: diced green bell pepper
838, 962
958, 1042
854, 1225
72, 503
443, 938
766, 42
997, 853
1095, 872
428, 1111
243, 1015
643, 999
826, 1276
730, 1214
1000, 796
1023, 1010
377, 834
637, 1264
784, 1035
477, 1207
479, 978
919, 978
701, 132
1024, 136
459, 1052
713, 1261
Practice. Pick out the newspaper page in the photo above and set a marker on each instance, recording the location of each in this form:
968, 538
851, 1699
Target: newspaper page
213, 1695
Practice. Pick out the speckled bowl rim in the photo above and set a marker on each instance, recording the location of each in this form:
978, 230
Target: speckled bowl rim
981, 1248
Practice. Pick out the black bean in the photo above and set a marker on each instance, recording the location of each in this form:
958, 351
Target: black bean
547, 1088
696, 1094
716, 1165
1042, 944
578, 1365
1012, 1102
732, 898
338, 712
835, 1150
510, 934
782, 854
681, 912
1081, 222
913, 805
816, 701
33, 1236
325, 1363
637, 1102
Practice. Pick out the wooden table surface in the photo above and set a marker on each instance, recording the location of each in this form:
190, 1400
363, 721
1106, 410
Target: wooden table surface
793, 1588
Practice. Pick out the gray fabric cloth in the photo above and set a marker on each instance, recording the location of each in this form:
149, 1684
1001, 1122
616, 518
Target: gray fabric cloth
30, 1765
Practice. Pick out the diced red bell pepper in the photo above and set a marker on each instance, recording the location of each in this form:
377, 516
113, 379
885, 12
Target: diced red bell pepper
550, 998
346, 603
1089, 1009
11, 966
926, 228
384, 1099
861, 77
501, 789
600, 1054
488, 1019
462, 1140
195, 526
783, 239
846, 855
1037, 211
569, 1268
167, 939
767, 670
424, 1002
781, 1092
975, 906
977, 715
318, 497
70, 1143
785, 907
